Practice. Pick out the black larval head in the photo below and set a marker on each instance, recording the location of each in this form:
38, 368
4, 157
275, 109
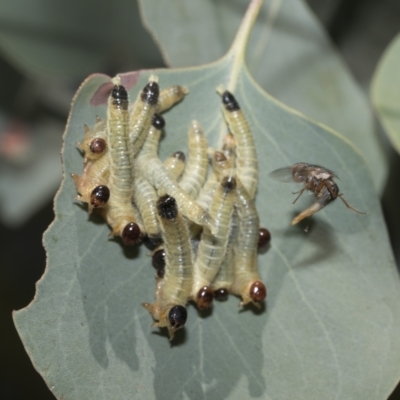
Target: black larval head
177, 317
158, 121
167, 208
228, 99
119, 92
120, 96
150, 93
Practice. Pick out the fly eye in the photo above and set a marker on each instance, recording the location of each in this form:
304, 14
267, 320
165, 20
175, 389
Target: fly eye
204, 297
98, 146
131, 234
99, 196
221, 294
177, 316
264, 237
258, 292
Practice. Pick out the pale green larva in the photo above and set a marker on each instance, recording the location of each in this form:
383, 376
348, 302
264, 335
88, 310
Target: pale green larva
195, 172
173, 291
247, 282
212, 247
152, 168
246, 154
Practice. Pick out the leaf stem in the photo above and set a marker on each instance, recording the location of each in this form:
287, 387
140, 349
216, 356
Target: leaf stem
238, 48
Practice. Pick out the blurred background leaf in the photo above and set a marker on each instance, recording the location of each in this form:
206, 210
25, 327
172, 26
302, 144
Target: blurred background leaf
385, 93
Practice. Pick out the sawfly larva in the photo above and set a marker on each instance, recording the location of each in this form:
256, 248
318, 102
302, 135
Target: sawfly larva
173, 291
141, 115
212, 248
195, 172
153, 169
170, 96
175, 164
119, 212
224, 280
247, 282
246, 154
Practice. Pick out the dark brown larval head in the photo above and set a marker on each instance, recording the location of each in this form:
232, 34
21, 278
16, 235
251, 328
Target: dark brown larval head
219, 156
98, 146
258, 292
205, 297
131, 234
99, 196
264, 237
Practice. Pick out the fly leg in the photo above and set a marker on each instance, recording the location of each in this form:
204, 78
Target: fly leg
300, 193
349, 206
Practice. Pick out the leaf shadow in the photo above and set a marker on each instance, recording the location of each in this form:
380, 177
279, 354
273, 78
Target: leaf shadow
107, 294
319, 235
219, 349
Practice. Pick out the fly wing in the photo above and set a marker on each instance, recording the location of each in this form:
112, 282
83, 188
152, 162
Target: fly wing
282, 174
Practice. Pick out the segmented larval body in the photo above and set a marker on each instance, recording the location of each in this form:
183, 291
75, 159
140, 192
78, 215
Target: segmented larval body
175, 164
221, 167
145, 198
141, 115
247, 282
173, 291
195, 172
224, 280
246, 154
170, 96
152, 168
212, 248
119, 211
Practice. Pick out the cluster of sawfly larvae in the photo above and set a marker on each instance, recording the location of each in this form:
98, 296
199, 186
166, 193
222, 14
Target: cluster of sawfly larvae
203, 227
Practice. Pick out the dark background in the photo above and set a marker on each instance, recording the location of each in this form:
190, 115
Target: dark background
361, 29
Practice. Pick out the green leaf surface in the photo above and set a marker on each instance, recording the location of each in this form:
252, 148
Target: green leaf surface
72, 39
330, 327
385, 94
289, 55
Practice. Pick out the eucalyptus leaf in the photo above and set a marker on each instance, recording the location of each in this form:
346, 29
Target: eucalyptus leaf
330, 327
72, 39
289, 55
385, 94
